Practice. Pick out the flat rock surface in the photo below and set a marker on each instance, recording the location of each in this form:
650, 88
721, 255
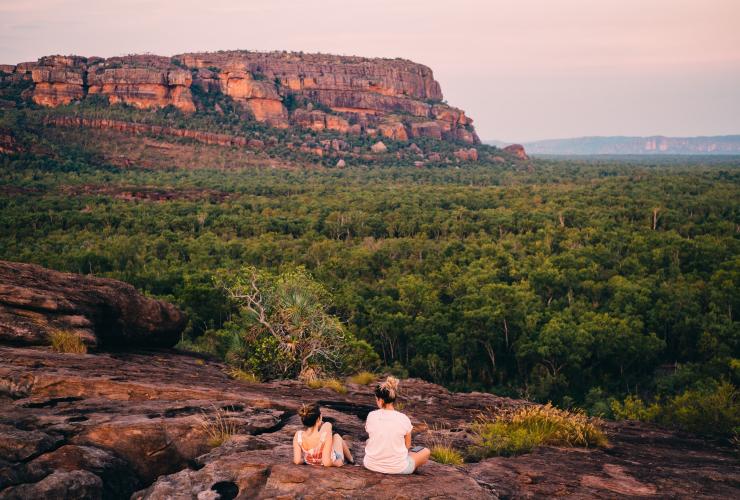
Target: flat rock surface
132, 424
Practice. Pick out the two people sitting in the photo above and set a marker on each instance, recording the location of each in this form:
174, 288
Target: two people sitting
388, 448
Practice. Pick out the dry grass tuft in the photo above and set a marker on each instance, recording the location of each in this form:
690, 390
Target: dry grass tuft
67, 342
527, 428
329, 383
442, 451
241, 375
446, 455
218, 427
363, 378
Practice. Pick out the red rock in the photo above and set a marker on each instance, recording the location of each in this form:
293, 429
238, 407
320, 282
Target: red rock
466, 154
74, 485
426, 129
138, 415
393, 130
35, 301
517, 150
369, 89
378, 147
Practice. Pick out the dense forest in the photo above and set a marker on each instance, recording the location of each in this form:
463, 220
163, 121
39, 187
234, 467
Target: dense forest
577, 282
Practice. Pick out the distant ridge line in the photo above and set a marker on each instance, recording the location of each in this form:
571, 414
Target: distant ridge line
634, 145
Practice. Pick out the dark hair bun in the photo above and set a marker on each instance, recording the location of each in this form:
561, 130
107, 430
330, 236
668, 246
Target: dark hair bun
309, 414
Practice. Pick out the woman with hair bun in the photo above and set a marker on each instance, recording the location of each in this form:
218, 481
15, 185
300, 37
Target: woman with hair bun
387, 448
315, 444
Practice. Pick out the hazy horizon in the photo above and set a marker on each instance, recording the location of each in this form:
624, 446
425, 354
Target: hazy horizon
524, 71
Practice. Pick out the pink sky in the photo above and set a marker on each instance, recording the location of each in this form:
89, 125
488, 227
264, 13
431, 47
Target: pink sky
524, 69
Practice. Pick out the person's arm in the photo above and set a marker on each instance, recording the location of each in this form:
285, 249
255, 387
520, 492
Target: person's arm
407, 437
297, 453
326, 435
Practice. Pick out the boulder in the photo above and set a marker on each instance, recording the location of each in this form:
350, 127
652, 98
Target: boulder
36, 302
378, 147
74, 485
517, 150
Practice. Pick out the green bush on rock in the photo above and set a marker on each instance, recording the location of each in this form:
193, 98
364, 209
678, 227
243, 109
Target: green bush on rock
282, 327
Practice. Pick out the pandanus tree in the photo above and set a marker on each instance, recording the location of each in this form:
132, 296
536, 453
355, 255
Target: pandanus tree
284, 328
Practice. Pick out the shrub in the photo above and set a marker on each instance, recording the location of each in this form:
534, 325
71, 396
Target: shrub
446, 455
218, 427
328, 383
634, 408
529, 427
363, 378
68, 342
283, 327
710, 412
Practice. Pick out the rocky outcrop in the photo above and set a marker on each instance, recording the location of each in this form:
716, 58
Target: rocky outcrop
36, 302
109, 426
517, 151
470, 154
141, 81
399, 98
58, 80
143, 128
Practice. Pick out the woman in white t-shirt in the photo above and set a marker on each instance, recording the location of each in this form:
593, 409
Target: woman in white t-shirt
387, 448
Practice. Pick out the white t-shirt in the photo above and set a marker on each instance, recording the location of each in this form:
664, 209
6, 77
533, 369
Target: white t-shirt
385, 450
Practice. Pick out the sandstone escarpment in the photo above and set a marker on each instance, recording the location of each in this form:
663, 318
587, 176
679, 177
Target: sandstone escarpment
399, 98
36, 302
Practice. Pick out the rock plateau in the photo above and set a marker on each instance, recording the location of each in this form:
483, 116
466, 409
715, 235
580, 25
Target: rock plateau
395, 97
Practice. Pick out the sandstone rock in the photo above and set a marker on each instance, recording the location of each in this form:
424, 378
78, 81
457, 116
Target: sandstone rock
393, 130
58, 80
426, 129
144, 410
466, 154
143, 128
517, 150
378, 147
115, 473
264, 473
105, 313
142, 81
78, 484
259, 82
17, 445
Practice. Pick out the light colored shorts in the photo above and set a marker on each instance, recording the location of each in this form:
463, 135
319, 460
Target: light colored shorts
410, 466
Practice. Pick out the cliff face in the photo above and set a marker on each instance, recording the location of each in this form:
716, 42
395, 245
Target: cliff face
395, 98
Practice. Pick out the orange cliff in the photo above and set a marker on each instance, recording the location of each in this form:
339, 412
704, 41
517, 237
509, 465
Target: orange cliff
395, 98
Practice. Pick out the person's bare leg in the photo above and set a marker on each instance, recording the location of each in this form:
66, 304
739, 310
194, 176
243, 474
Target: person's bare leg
420, 457
337, 446
347, 453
